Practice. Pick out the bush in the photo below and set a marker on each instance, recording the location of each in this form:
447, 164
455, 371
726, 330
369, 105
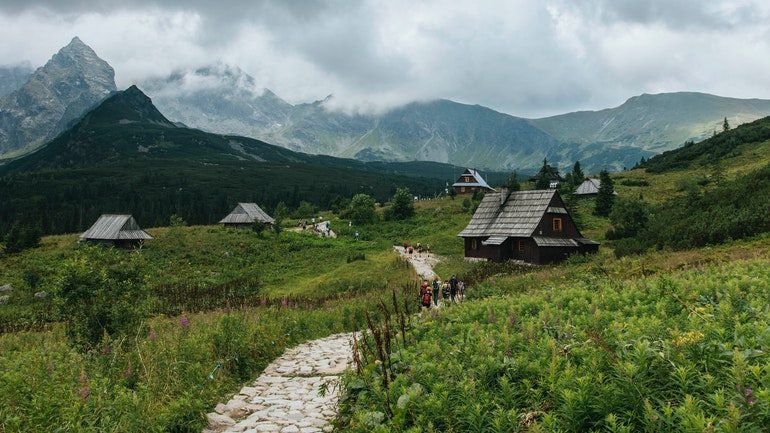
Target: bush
634, 182
629, 246
176, 221
305, 210
356, 257
362, 210
628, 218
101, 295
402, 205
21, 237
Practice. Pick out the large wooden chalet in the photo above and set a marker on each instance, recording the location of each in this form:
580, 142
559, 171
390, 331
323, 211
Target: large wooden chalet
245, 215
471, 181
532, 226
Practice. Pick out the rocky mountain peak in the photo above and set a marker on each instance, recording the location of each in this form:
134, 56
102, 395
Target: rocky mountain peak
56, 94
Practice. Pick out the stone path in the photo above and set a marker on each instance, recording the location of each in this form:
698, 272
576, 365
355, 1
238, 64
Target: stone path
421, 262
286, 398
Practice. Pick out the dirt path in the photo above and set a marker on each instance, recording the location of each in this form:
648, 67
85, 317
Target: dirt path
423, 263
286, 397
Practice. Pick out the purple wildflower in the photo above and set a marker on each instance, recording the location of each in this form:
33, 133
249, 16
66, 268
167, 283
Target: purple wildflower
152, 335
747, 392
106, 350
184, 322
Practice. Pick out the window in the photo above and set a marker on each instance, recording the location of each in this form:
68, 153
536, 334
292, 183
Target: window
521, 245
474, 244
557, 226
462, 189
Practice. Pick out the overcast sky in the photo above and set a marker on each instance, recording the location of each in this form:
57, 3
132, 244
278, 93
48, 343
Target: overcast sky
523, 57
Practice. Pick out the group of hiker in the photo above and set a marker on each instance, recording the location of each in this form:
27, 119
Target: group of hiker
450, 291
419, 248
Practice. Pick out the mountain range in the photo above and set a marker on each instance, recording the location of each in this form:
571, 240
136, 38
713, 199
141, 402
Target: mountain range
225, 100
125, 156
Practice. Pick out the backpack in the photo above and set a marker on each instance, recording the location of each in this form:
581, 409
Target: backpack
426, 298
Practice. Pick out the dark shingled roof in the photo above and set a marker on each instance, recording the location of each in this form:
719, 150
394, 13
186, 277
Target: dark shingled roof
115, 228
516, 216
247, 213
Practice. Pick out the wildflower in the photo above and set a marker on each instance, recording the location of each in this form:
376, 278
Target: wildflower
184, 322
106, 350
152, 335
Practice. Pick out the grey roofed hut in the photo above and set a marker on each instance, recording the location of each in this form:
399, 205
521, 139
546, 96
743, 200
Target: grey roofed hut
245, 215
118, 230
532, 226
589, 187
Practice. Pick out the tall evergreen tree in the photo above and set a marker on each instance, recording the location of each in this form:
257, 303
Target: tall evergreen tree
725, 125
606, 196
543, 180
577, 174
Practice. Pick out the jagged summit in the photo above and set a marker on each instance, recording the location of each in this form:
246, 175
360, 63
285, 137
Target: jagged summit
55, 95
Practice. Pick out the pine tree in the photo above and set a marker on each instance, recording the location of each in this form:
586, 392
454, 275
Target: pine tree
543, 181
725, 125
577, 174
606, 196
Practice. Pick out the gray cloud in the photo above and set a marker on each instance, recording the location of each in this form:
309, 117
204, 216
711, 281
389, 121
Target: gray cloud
524, 57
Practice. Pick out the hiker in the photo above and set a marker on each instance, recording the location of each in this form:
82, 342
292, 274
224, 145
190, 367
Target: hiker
356, 235
411, 250
453, 288
436, 286
445, 292
461, 290
425, 294
406, 245
419, 248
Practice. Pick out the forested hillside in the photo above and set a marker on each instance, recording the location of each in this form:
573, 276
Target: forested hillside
126, 157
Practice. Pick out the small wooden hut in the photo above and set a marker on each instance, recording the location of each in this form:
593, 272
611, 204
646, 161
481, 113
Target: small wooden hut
589, 187
471, 181
118, 230
532, 226
245, 215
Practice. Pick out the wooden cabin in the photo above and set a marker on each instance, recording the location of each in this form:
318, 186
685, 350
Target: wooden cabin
471, 181
245, 215
118, 230
589, 187
531, 226
551, 172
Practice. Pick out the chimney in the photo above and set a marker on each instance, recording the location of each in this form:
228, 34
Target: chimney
503, 195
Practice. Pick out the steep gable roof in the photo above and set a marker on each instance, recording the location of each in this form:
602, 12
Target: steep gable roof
478, 180
516, 215
247, 213
589, 186
111, 227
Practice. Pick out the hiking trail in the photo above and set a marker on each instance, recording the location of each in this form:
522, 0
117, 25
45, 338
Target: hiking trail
285, 398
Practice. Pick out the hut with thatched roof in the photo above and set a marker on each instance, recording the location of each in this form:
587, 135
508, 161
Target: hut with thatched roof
245, 215
531, 226
118, 230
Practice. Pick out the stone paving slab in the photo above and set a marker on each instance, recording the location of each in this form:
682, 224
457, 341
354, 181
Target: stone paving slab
286, 398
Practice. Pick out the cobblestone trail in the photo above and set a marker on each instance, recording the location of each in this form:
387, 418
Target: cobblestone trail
286, 398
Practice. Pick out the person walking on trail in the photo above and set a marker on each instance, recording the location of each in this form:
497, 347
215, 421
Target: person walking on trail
445, 292
425, 295
453, 288
461, 290
436, 287
406, 246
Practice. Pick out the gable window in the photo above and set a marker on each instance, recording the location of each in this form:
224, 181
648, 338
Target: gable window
557, 225
521, 245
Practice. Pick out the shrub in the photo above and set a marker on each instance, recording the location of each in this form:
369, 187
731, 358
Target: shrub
305, 210
356, 257
634, 182
21, 237
101, 294
362, 210
402, 205
629, 246
628, 218
176, 221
